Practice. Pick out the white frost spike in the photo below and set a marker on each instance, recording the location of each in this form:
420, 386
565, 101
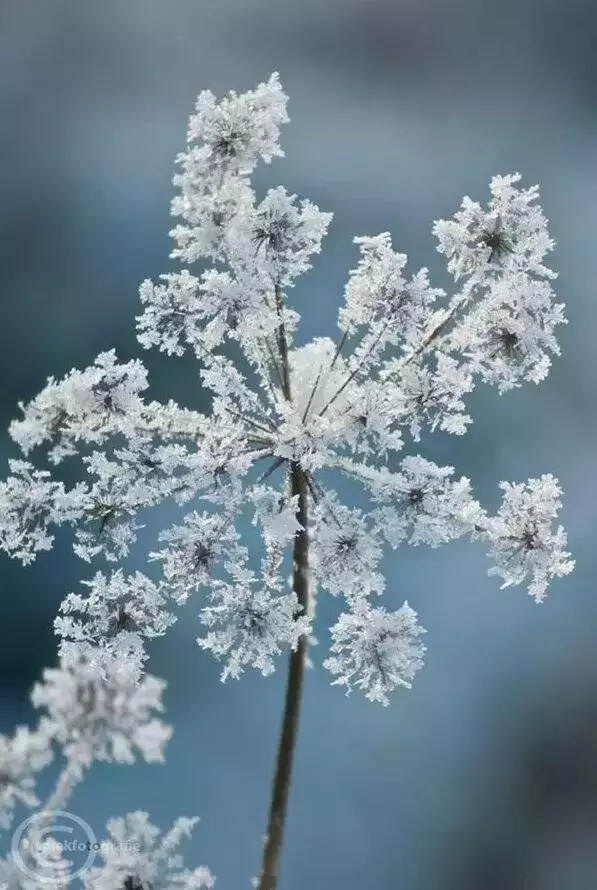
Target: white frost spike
376, 651
103, 716
135, 857
523, 543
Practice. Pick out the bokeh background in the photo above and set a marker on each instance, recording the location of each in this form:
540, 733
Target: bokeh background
484, 777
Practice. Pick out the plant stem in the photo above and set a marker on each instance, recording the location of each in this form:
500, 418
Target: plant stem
272, 846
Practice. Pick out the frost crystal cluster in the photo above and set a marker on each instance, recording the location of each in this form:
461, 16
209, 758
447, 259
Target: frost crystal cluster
287, 418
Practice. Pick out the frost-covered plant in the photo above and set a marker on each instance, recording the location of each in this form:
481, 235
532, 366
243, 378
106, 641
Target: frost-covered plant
134, 856
285, 418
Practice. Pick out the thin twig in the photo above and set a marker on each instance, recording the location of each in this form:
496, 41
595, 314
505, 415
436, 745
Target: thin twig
254, 423
437, 330
274, 362
316, 384
321, 497
356, 370
339, 349
277, 463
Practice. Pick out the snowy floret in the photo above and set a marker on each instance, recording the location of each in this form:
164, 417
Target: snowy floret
208, 210
524, 545
238, 130
346, 553
131, 479
424, 505
86, 406
249, 624
378, 291
21, 756
135, 857
226, 139
183, 311
194, 548
432, 397
113, 620
280, 236
173, 313
233, 307
509, 338
376, 651
509, 236
30, 503
103, 715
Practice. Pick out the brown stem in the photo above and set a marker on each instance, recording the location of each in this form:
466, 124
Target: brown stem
272, 847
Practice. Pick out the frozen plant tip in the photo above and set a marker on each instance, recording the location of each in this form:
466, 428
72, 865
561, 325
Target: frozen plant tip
135, 857
376, 651
287, 422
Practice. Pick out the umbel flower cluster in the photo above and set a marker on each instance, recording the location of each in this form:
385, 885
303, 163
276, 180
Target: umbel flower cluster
285, 419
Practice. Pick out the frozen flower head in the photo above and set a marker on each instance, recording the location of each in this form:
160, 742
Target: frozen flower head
509, 235
510, 338
378, 290
194, 548
248, 625
86, 406
283, 234
103, 715
287, 418
524, 545
135, 857
346, 553
112, 622
30, 502
376, 651
21, 756
423, 504
241, 129
225, 141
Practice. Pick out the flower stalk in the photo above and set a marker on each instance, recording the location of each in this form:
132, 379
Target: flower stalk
272, 846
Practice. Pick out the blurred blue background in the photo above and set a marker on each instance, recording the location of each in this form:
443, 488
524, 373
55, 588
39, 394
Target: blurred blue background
484, 777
